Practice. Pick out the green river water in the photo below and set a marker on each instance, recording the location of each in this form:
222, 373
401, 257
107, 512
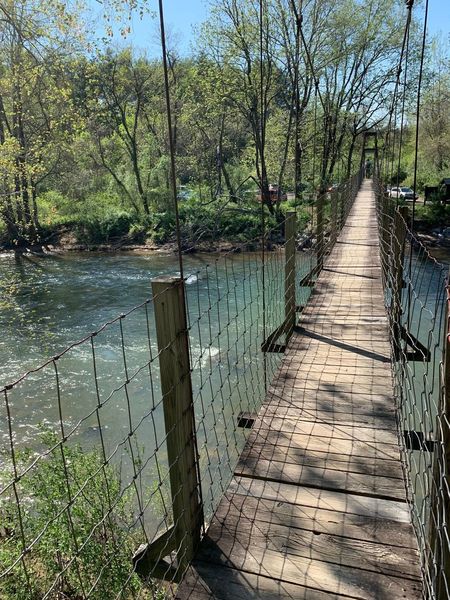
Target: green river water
49, 302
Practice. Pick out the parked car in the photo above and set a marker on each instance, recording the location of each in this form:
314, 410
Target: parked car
403, 193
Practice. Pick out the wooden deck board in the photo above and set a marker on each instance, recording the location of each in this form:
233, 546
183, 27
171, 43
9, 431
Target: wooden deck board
317, 506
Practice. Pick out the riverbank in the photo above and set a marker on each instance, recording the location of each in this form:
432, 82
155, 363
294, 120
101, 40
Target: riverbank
188, 247
437, 245
68, 244
114, 247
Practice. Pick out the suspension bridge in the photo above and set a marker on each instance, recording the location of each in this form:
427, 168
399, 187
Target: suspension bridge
287, 434
317, 504
302, 453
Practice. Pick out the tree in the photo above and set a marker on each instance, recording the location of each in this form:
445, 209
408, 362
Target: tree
239, 43
435, 119
215, 133
37, 117
358, 70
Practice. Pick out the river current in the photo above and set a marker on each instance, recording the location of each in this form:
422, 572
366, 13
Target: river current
49, 302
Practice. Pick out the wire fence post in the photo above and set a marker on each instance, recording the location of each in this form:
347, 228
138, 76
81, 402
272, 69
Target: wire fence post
385, 233
439, 537
334, 217
342, 194
289, 276
176, 386
340, 206
320, 228
398, 258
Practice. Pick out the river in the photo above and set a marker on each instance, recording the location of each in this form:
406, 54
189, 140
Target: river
50, 302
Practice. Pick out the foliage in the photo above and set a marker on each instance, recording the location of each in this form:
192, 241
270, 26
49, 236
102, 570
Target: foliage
38, 119
399, 177
81, 530
102, 219
83, 128
433, 214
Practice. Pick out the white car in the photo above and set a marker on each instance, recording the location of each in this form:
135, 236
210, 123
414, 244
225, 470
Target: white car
403, 193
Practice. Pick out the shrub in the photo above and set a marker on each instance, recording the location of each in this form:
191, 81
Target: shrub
97, 542
96, 230
434, 214
163, 227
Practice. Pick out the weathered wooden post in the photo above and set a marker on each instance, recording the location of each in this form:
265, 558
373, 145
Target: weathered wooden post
289, 272
439, 526
334, 217
320, 228
176, 385
343, 194
384, 237
398, 240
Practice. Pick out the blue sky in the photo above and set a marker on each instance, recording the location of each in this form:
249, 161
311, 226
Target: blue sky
439, 16
182, 16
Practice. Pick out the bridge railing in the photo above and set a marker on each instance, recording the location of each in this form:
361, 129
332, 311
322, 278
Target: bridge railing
417, 302
117, 450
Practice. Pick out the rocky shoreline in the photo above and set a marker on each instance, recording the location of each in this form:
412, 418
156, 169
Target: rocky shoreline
438, 246
216, 247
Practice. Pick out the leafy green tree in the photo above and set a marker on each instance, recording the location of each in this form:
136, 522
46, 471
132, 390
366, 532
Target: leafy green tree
435, 120
236, 40
37, 117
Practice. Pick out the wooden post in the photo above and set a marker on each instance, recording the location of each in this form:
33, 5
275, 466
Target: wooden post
343, 196
398, 258
439, 525
384, 237
176, 386
334, 217
320, 228
289, 272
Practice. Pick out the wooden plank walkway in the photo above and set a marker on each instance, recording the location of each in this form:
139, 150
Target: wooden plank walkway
316, 508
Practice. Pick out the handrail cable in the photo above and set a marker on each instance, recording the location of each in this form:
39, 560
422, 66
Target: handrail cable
263, 182
402, 121
173, 173
385, 159
419, 89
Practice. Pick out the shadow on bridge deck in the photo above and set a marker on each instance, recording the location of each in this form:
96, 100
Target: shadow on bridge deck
316, 508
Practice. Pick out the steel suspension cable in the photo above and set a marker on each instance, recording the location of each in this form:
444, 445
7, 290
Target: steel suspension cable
314, 157
419, 88
416, 150
385, 158
402, 121
173, 175
263, 183
173, 172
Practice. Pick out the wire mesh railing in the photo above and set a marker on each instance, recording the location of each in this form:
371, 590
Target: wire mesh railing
416, 297
116, 451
